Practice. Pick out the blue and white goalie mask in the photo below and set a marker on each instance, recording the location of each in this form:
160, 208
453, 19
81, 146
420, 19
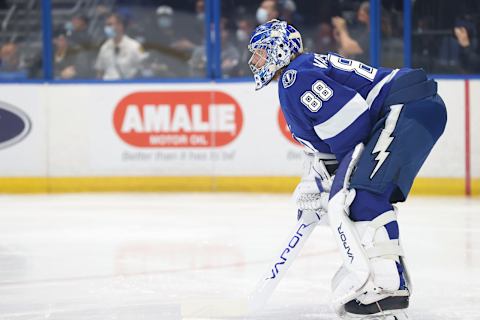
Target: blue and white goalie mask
272, 45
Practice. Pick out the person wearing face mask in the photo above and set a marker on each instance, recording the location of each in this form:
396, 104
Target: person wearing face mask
288, 12
245, 27
267, 11
120, 57
80, 43
77, 32
200, 10
230, 55
164, 17
69, 63
164, 60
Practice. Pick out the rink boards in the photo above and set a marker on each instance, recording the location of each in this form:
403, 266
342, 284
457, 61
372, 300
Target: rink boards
191, 137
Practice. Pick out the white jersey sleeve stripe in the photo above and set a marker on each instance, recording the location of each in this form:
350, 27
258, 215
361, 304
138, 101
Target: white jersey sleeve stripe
307, 145
373, 94
308, 148
342, 119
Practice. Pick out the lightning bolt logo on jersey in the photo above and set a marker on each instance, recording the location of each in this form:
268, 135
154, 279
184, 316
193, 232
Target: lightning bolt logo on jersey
386, 137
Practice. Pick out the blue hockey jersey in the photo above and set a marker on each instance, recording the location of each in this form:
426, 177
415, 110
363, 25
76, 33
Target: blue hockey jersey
331, 103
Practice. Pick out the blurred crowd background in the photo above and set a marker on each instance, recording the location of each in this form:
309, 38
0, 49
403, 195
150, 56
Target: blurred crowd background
119, 39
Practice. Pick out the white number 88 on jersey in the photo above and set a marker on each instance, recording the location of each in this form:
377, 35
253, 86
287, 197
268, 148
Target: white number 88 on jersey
313, 99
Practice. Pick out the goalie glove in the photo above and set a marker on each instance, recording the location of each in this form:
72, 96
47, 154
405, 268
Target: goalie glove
313, 190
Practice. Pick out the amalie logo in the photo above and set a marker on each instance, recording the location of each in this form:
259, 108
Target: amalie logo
284, 128
178, 119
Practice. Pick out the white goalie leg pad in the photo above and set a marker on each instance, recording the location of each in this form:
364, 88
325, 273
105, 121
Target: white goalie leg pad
383, 254
357, 268
355, 273
369, 272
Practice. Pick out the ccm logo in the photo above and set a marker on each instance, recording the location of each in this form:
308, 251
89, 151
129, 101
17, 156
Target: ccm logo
178, 119
284, 128
14, 125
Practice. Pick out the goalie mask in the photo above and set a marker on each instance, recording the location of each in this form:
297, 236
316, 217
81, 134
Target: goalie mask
272, 45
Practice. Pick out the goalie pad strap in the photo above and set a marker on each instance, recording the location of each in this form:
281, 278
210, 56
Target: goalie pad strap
380, 221
383, 219
385, 249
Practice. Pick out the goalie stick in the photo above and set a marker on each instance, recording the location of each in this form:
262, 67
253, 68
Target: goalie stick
283, 259
246, 307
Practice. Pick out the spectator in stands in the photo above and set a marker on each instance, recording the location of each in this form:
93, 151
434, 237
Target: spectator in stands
245, 27
354, 44
469, 58
192, 43
12, 65
447, 51
200, 10
164, 60
96, 29
392, 43
323, 38
288, 12
135, 21
198, 62
187, 40
67, 63
267, 11
81, 45
77, 31
120, 57
230, 55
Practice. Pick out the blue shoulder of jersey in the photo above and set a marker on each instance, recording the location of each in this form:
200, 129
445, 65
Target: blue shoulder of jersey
337, 113
309, 89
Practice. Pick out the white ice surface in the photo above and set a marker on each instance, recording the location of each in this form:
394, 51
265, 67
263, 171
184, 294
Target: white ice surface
144, 256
